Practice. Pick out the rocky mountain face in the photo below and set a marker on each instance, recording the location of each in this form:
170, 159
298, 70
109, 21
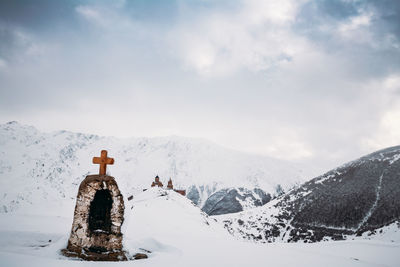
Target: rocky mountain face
360, 196
37, 168
231, 200
228, 200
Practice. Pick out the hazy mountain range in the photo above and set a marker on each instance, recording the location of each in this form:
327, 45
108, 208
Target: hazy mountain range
37, 167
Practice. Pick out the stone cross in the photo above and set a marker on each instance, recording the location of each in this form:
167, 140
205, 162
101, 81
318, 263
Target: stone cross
103, 161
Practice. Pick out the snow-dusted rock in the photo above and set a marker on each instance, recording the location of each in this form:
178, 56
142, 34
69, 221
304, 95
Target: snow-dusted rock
233, 200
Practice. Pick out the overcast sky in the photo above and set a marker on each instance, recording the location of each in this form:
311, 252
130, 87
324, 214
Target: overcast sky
314, 81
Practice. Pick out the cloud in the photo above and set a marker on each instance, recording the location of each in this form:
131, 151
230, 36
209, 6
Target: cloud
338, 24
301, 80
356, 29
388, 127
256, 36
388, 133
89, 13
3, 64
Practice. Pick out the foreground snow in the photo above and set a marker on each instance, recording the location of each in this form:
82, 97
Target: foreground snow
178, 234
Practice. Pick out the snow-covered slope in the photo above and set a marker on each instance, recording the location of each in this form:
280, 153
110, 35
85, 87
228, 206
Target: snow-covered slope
162, 220
174, 232
38, 167
360, 196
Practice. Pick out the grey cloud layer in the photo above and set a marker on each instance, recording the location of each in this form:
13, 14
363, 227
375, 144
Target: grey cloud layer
315, 80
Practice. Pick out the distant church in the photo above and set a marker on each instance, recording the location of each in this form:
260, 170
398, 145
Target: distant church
157, 182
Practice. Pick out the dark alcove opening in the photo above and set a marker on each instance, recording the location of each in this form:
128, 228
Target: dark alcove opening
100, 212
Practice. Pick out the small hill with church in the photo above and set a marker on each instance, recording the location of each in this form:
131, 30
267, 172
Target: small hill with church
358, 198
160, 219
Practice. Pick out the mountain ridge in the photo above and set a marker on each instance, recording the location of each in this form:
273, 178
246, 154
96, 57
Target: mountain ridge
359, 196
37, 167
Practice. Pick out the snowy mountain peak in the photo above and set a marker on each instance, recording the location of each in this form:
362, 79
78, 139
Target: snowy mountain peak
48, 167
17, 130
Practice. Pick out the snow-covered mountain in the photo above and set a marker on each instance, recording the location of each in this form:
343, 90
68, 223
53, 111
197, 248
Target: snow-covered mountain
359, 197
38, 167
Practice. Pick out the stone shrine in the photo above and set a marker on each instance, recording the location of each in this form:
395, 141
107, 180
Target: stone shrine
98, 217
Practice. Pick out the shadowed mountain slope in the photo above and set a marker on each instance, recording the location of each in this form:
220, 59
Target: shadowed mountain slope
359, 196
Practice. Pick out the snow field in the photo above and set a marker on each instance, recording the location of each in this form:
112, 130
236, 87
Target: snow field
178, 234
